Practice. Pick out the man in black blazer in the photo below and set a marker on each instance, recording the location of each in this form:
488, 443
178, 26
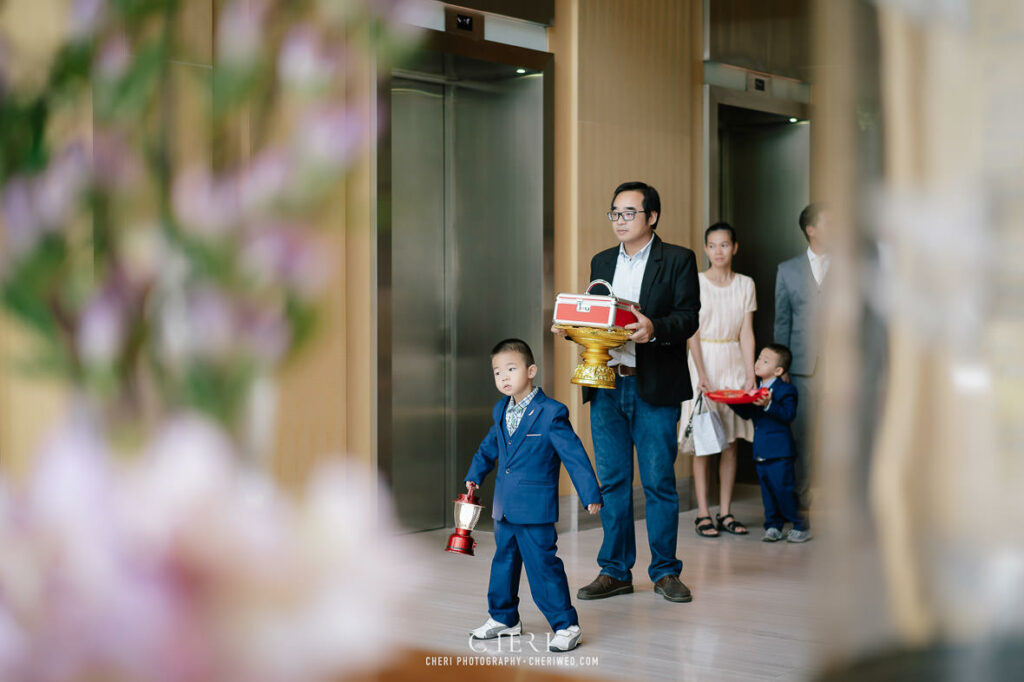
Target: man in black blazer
643, 408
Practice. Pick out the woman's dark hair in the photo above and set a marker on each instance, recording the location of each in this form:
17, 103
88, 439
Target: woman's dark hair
721, 226
652, 202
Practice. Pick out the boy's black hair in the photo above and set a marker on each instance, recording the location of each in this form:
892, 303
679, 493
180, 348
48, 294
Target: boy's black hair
785, 355
721, 226
652, 201
517, 345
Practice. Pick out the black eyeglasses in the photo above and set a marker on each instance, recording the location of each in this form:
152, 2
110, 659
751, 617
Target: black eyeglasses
626, 215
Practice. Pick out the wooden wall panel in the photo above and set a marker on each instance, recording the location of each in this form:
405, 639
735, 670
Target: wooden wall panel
772, 37
327, 400
635, 118
628, 107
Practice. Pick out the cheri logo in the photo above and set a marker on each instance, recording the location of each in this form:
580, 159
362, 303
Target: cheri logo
515, 643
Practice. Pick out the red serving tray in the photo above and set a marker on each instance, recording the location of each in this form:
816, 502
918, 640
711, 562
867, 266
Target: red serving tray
736, 397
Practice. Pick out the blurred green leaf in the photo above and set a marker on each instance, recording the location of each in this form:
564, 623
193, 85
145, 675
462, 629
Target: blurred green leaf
218, 390
135, 12
303, 319
31, 283
72, 64
231, 88
129, 97
22, 137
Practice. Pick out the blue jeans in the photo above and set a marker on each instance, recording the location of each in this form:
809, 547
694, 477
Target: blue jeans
619, 418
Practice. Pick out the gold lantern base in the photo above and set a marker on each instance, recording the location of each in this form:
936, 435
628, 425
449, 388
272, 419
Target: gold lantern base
593, 369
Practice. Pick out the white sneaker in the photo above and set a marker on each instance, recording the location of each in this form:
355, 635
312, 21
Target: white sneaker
565, 640
795, 535
771, 535
493, 628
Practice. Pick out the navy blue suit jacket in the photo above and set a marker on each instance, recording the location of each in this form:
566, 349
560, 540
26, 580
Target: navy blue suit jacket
773, 438
526, 489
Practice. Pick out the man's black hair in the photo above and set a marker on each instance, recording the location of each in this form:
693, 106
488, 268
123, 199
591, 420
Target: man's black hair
652, 202
810, 215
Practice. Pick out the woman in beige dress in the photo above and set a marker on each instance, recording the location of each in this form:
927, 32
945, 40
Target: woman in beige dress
721, 356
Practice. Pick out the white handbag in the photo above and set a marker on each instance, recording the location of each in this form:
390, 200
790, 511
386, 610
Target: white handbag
704, 433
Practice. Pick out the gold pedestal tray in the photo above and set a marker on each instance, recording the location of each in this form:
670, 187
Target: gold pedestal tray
593, 369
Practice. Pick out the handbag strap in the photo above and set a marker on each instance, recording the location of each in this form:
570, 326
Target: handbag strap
698, 402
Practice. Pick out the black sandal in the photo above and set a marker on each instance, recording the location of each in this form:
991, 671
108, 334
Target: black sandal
734, 526
703, 528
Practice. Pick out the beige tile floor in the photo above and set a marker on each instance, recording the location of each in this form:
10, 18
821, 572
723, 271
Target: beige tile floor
752, 617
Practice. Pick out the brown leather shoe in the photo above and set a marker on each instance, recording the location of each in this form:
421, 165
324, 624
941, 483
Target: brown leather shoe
604, 586
672, 589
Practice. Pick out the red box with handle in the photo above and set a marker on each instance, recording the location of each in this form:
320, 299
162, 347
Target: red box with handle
592, 310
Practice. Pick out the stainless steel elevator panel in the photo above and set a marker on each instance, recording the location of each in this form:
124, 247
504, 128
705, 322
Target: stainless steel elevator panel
467, 265
498, 224
418, 336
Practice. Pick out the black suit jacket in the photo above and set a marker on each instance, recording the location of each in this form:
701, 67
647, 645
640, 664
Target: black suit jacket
670, 296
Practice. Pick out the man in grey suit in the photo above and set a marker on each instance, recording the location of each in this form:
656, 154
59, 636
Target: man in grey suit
798, 290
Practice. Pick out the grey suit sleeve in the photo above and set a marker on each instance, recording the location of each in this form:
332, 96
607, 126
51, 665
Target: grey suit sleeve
783, 310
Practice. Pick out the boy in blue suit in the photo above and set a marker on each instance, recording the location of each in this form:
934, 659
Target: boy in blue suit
774, 449
530, 438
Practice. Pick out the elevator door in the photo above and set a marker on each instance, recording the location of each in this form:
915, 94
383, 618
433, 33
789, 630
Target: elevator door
764, 184
419, 345
467, 244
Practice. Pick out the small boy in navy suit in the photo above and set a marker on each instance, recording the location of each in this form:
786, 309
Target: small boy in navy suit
774, 449
530, 439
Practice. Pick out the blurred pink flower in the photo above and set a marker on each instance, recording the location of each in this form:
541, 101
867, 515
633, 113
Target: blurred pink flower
33, 207
330, 137
304, 62
86, 17
211, 324
206, 206
114, 58
240, 38
286, 255
66, 577
21, 224
115, 160
101, 330
60, 188
199, 324
183, 566
262, 183
401, 16
267, 334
